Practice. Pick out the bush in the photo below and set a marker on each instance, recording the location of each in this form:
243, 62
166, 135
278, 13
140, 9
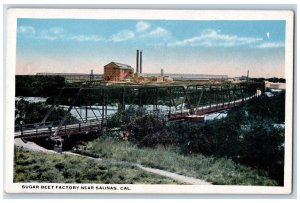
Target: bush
148, 131
272, 108
263, 147
139, 128
200, 141
123, 117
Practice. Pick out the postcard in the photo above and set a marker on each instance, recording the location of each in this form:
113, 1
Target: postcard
128, 101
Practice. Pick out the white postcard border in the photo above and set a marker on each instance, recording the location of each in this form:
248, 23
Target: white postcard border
14, 14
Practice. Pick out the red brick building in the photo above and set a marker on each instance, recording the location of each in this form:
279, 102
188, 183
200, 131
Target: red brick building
117, 71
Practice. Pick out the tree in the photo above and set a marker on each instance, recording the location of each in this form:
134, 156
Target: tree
34, 112
38, 85
148, 131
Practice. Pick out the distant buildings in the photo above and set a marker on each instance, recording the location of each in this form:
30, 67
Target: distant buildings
119, 72
183, 77
76, 77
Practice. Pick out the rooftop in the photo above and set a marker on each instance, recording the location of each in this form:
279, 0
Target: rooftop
65, 74
121, 65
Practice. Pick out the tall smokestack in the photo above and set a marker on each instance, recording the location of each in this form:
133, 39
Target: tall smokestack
137, 61
141, 61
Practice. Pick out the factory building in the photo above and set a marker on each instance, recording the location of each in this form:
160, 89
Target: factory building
117, 71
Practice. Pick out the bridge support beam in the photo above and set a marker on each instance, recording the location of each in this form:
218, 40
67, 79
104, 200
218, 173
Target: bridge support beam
58, 144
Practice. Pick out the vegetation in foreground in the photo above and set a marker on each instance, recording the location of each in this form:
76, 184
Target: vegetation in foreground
219, 171
62, 168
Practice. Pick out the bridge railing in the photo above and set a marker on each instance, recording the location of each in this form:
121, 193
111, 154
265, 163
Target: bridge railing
47, 124
206, 109
48, 129
24, 127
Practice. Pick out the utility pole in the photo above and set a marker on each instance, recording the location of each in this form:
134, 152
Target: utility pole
92, 76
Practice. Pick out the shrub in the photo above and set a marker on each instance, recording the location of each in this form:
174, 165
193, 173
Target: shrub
200, 141
123, 117
272, 108
148, 131
263, 147
50, 176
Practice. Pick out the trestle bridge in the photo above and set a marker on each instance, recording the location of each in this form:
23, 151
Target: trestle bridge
94, 105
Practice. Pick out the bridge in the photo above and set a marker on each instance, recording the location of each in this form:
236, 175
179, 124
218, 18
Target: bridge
88, 108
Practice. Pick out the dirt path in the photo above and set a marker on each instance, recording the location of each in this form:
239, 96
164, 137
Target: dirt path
31, 146
174, 176
181, 178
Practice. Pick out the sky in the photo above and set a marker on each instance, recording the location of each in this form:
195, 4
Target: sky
177, 46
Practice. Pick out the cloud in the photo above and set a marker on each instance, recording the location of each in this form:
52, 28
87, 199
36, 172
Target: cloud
159, 32
26, 29
158, 36
214, 38
56, 30
56, 33
142, 26
48, 37
85, 38
53, 33
122, 36
270, 45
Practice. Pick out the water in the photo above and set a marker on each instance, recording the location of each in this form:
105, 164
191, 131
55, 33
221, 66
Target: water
213, 116
162, 108
32, 99
275, 90
91, 112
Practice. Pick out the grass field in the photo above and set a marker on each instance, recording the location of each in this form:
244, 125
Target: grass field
218, 171
62, 168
